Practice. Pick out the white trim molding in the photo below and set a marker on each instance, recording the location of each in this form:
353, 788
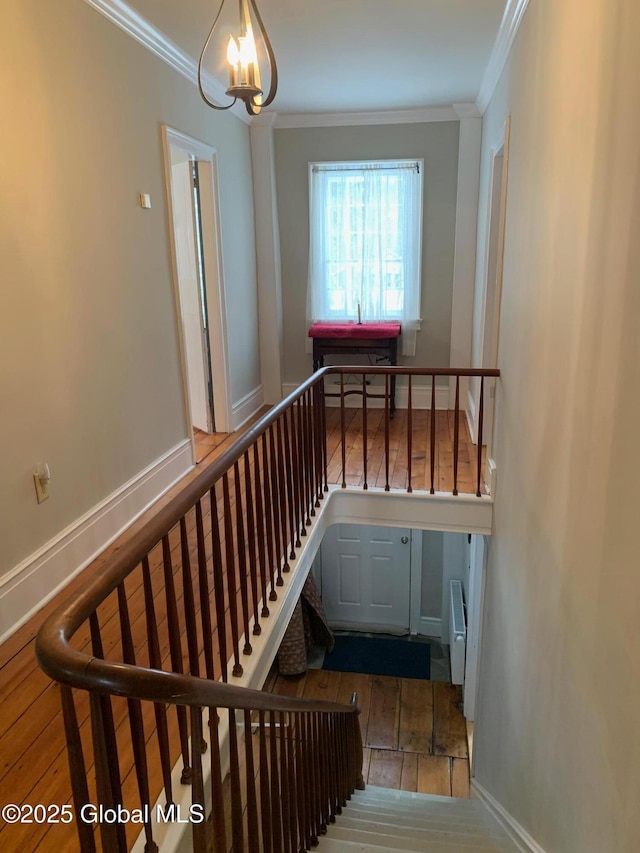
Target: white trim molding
517, 833
149, 36
420, 397
247, 407
34, 581
426, 114
430, 626
511, 20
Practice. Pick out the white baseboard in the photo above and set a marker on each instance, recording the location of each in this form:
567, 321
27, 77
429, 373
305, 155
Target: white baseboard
523, 842
420, 397
430, 626
44, 573
247, 406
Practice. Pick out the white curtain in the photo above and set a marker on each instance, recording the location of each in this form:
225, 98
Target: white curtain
365, 244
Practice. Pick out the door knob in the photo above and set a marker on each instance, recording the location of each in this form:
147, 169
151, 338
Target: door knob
404, 540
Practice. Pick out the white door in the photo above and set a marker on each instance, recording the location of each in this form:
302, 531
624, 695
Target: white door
366, 577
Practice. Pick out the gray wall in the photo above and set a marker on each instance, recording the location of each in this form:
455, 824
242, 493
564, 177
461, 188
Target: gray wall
437, 144
89, 363
556, 727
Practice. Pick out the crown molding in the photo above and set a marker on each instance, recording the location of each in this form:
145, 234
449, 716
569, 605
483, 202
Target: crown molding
511, 20
467, 111
426, 114
155, 41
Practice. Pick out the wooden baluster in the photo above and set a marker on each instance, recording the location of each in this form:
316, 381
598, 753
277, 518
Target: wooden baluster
231, 577
456, 436
251, 531
205, 596
108, 788
433, 434
188, 601
265, 797
409, 432
316, 443
218, 584
282, 496
260, 518
200, 833
175, 651
386, 431
343, 437
155, 662
285, 794
293, 530
302, 466
217, 785
136, 723
343, 761
311, 776
268, 498
276, 504
77, 768
301, 786
332, 767
297, 470
480, 425
323, 409
308, 462
276, 813
365, 441
311, 454
253, 832
105, 748
242, 558
237, 830
359, 780
321, 757
293, 785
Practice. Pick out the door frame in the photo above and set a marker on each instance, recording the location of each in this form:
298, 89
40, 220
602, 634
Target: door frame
492, 286
214, 275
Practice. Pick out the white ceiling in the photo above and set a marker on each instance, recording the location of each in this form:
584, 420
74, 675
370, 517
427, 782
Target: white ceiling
357, 55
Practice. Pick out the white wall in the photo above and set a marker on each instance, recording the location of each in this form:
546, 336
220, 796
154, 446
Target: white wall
89, 367
556, 730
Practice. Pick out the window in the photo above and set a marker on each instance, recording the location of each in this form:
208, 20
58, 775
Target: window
365, 243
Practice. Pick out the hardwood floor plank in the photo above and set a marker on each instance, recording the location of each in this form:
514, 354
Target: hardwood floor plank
434, 775
384, 713
321, 684
449, 729
409, 778
460, 778
416, 716
385, 769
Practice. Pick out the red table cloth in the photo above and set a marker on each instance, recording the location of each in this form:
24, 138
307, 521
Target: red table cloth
355, 330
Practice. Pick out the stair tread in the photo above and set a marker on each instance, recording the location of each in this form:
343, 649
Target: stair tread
443, 843
390, 822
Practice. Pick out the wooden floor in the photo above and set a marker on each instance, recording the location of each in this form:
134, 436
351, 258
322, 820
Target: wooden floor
397, 475
413, 731
33, 759
33, 755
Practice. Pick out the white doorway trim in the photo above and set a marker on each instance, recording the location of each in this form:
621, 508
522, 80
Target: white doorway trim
475, 607
492, 293
212, 260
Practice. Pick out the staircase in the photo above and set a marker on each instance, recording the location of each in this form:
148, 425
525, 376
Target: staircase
379, 820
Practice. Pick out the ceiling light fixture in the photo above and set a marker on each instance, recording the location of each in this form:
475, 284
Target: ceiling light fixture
244, 56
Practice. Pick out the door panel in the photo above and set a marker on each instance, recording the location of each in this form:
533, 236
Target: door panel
366, 575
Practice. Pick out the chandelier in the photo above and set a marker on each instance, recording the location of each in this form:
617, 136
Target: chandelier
244, 56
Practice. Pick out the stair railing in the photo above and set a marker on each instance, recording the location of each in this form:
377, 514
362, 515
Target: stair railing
145, 649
